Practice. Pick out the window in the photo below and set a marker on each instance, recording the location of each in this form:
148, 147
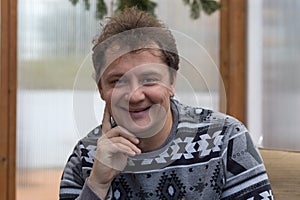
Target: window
273, 66
58, 101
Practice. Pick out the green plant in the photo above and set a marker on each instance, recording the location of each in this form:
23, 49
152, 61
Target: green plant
208, 6
196, 6
145, 5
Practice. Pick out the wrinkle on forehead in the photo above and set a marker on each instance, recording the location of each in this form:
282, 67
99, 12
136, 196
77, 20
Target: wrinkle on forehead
114, 56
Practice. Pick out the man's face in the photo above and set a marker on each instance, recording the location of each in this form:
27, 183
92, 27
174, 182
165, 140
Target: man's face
137, 90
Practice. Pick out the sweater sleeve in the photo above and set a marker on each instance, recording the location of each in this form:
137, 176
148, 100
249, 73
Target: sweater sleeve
87, 193
72, 180
245, 173
73, 184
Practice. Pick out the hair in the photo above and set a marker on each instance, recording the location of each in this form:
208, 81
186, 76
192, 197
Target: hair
133, 30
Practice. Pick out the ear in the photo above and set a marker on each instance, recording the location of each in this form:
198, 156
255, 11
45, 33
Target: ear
172, 84
101, 92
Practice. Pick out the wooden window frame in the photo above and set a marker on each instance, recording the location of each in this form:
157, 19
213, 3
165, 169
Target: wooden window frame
8, 93
233, 57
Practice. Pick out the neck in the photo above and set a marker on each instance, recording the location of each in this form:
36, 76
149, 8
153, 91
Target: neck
156, 141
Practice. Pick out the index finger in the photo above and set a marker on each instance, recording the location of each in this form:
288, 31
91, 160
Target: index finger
106, 125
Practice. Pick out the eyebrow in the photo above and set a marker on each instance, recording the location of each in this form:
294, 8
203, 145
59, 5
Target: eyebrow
151, 73
114, 75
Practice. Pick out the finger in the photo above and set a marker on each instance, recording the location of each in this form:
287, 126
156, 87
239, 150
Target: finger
122, 148
120, 131
116, 157
106, 144
132, 147
112, 147
106, 126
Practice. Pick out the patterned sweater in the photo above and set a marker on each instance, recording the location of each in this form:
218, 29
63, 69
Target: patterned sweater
207, 156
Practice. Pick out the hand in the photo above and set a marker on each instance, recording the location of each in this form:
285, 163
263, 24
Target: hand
113, 149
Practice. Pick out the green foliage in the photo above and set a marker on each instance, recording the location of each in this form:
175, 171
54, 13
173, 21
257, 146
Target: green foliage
74, 2
145, 5
87, 4
195, 9
208, 6
186, 2
101, 9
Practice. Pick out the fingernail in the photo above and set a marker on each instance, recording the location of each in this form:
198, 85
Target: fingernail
133, 153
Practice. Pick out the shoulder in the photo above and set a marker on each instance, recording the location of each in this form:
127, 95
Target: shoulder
91, 138
209, 123
199, 115
82, 156
79, 165
85, 148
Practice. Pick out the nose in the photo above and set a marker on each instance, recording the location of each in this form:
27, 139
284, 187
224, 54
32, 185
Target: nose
135, 93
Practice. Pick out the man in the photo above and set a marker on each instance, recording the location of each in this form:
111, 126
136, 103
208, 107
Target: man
150, 146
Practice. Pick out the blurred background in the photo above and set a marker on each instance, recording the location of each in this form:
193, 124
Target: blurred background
57, 99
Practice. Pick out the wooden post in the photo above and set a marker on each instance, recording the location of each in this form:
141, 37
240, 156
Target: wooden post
8, 88
233, 57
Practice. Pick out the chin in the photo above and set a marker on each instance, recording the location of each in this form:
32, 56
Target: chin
146, 131
143, 127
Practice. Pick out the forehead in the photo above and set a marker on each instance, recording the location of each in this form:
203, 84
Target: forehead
142, 59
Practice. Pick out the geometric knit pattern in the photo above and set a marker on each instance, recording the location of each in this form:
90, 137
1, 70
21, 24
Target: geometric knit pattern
170, 187
208, 155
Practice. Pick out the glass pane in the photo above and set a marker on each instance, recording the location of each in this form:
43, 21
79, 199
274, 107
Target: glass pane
276, 82
58, 101
281, 74
54, 37
198, 44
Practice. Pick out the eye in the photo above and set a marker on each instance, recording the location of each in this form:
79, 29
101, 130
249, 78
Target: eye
149, 81
119, 82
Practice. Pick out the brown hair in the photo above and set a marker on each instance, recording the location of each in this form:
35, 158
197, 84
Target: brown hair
134, 30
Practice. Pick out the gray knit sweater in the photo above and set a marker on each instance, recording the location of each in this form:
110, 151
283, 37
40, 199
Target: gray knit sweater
207, 156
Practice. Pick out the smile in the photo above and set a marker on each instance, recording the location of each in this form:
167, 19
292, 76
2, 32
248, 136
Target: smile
138, 110
139, 113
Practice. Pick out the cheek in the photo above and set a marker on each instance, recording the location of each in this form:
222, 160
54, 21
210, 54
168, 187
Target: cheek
111, 94
112, 98
115, 96
106, 95
159, 95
